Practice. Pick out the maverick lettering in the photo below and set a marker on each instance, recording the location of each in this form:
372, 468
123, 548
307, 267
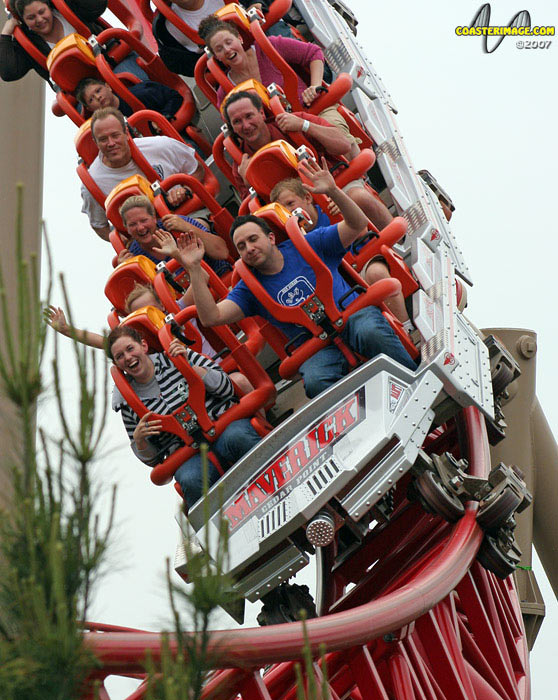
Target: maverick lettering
275, 477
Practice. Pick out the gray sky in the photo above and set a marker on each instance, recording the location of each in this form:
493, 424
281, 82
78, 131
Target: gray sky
484, 125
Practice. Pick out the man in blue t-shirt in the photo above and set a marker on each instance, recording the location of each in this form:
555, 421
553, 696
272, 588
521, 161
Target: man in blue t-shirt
291, 194
288, 278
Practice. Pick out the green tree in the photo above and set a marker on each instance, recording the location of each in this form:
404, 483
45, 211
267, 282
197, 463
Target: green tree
51, 544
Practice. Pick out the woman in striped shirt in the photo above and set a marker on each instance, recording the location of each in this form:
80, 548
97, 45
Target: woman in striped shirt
162, 388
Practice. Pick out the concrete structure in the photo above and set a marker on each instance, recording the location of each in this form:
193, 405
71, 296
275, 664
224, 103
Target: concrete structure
21, 158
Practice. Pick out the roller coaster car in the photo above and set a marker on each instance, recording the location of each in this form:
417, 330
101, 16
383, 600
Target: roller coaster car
352, 447
325, 473
368, 475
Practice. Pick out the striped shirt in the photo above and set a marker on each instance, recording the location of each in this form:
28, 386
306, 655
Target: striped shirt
167, 391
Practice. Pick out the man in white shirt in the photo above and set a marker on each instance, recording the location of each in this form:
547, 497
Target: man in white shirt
114, 163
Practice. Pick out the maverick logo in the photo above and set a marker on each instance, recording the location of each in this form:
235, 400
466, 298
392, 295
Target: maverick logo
279, 477
395, 394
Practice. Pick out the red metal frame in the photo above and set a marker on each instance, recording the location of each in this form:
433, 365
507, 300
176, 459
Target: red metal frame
443, 629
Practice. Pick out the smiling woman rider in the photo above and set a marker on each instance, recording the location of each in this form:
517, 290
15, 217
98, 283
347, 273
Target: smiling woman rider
225, 43
162, 389
45, 26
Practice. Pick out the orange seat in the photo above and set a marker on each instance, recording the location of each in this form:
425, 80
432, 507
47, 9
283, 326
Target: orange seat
237, 15
279, 160
74, 58
131, 186
148, 320
70, 61
251, 26
220, 217
276, 217
203, 193
272, 163
124, 277
250, 85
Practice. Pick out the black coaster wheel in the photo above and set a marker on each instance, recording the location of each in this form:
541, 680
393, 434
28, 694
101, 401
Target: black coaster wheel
284, 603
436, 498
494, 512
501, 377
492, 556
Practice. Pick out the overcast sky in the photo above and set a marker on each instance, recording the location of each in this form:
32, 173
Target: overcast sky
485, 126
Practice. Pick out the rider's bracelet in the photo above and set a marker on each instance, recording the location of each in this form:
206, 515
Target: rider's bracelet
305, 125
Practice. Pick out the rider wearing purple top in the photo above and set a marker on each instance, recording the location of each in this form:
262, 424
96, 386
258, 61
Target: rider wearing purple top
298, 54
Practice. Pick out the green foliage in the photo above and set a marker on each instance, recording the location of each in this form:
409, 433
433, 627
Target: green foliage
308, 690
182, 674
51, 544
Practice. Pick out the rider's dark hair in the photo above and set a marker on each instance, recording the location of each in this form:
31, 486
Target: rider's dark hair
121, 332
250, 218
